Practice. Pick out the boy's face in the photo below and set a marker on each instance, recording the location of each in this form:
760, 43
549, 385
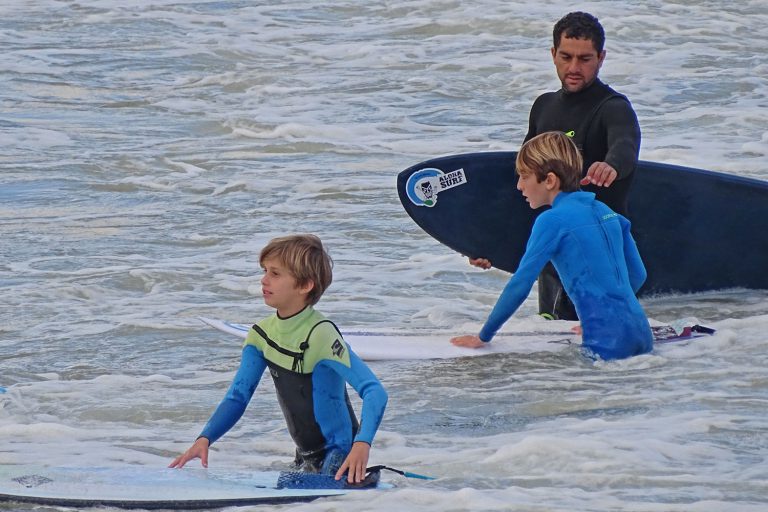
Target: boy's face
535, 192
280, 290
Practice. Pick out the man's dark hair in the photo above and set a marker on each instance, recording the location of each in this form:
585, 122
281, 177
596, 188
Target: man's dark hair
580, 25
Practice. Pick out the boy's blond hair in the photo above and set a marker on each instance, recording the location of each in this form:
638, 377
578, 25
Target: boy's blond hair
305, 258
553, 152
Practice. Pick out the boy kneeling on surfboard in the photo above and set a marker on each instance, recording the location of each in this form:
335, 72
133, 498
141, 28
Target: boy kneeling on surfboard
310, 364
590, 246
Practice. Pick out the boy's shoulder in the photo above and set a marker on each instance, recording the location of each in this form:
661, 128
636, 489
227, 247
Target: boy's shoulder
552, 218
571, 210
326, 342
320, 329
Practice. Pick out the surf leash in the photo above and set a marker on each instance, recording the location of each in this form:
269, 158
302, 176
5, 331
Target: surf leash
406, 474
302, 480
701, 329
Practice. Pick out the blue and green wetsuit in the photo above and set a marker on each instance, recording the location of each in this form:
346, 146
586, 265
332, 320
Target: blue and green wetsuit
596, 257
310, 364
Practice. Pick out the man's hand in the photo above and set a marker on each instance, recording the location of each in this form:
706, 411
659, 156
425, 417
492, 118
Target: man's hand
600, 174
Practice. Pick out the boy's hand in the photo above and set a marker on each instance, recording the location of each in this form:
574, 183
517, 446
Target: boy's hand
468, 341
356, 463
199, 449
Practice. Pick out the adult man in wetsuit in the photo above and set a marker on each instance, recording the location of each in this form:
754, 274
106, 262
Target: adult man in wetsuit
599, 120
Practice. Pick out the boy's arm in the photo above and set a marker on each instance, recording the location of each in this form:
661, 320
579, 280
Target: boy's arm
231, 408
362, 379
335, 354
539, 250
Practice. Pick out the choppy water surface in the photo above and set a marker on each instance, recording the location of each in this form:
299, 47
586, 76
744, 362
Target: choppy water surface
149, 150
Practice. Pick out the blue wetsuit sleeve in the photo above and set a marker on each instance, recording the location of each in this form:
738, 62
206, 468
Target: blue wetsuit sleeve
362, 379
241, 390
635, 266
539, 250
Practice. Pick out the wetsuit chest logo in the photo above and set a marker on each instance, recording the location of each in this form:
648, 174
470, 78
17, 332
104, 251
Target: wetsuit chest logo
571, 134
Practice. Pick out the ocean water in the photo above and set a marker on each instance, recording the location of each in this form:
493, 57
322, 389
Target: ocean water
149, 149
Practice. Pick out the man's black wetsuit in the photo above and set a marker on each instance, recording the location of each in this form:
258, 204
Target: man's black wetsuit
604, 126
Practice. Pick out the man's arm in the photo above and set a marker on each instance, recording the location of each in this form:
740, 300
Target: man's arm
623, 136
622, 144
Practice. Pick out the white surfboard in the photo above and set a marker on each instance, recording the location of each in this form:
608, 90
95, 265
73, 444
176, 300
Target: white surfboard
150, 488
375, 345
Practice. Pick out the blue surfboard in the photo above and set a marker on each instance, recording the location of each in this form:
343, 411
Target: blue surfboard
696, 230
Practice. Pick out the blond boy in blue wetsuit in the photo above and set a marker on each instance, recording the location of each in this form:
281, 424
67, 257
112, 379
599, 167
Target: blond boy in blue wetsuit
310, 365
590, 246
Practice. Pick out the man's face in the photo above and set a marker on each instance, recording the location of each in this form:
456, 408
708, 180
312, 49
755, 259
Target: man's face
577, 63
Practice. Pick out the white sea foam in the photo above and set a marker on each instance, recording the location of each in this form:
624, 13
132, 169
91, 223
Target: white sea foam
151, 148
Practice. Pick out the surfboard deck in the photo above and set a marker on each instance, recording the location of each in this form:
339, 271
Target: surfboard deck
373, 345
152, 488
696, 230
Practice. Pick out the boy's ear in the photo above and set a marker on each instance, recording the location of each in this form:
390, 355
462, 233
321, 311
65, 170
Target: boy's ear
307, 287
552, 181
